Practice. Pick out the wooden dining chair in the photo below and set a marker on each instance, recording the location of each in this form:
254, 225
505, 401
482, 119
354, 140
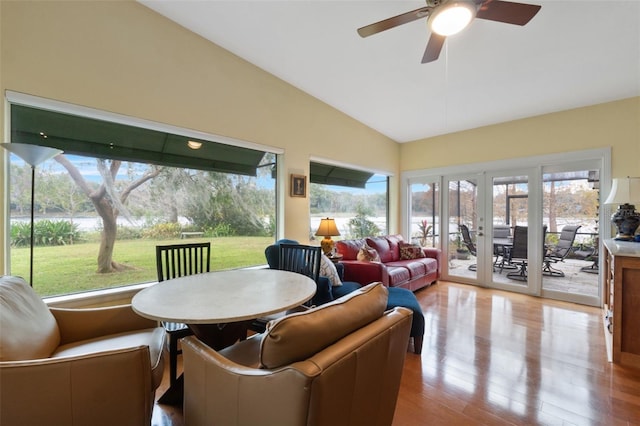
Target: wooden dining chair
298, 258
174, 261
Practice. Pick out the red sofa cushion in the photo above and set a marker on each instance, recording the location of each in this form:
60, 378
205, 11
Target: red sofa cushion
349, 248
381, 244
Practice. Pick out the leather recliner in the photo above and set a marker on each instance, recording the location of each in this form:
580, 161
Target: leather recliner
75, 366
336, 364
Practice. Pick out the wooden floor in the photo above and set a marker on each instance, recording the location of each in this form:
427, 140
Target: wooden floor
498, 358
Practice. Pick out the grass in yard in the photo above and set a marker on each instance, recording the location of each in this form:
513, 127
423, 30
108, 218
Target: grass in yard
70, 269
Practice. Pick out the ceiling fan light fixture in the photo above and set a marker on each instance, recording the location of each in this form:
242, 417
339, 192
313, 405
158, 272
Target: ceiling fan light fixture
451, 18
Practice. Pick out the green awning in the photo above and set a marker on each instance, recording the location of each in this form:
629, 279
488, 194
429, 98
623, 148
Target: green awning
103, 139
333, 175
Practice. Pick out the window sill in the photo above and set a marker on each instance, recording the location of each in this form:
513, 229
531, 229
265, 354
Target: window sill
96, 298
104, 297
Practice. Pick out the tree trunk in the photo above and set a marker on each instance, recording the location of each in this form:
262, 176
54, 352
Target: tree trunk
106, 209
107, 239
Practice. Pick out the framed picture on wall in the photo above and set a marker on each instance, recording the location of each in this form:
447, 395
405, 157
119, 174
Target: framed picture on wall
298, 186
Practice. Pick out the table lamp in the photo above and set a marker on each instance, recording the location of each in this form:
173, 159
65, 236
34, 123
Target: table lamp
625, 192
327, 229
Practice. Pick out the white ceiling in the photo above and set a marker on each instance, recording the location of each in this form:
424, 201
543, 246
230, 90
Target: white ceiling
572, 54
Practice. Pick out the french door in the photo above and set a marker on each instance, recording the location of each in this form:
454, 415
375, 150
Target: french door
474, 211
476, 207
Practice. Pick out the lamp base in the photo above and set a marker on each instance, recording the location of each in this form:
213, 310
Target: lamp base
626, 221
327, 245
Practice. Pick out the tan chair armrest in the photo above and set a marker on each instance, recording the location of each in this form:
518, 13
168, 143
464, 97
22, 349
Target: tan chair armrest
105, 388
82, 324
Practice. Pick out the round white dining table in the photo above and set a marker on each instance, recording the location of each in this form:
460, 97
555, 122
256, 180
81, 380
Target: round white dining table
224, 296
218, 306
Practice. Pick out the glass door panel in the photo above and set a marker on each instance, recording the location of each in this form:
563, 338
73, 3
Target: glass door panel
570, 211
425, 213
463, 227
510, 230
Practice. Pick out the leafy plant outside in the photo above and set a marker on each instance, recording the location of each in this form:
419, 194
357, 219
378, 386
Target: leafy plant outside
46, 233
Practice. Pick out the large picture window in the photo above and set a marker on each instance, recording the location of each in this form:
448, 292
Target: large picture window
357, 200
118, 191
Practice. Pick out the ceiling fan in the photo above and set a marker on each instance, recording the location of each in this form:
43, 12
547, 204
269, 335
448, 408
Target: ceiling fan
448, 17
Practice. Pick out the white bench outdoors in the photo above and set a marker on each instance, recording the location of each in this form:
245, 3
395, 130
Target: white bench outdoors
184, 235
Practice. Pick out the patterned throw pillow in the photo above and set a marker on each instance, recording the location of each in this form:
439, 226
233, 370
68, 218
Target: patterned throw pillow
368, 254
328, 269
410, 251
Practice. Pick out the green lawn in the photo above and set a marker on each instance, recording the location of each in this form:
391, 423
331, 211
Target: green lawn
70, 269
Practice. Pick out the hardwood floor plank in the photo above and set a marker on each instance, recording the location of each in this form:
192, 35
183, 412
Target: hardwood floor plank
497, 358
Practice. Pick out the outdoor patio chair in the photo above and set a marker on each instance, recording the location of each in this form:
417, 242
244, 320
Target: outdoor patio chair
590, 254
560, 251
500, 233
468, 242
174, 261
518, 253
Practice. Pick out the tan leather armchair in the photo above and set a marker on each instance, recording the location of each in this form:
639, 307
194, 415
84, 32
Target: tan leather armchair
75, 366
337, 364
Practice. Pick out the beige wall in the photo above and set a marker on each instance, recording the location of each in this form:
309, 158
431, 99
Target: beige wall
614, 124
122, 57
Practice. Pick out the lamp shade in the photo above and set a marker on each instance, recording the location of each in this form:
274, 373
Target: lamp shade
327, 228
624, 191
31, 154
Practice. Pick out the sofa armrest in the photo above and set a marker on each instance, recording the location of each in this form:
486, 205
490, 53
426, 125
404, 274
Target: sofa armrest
434, 253
83, 324
365, 272
79, 389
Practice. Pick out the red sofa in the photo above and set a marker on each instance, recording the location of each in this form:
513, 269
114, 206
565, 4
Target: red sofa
392, 271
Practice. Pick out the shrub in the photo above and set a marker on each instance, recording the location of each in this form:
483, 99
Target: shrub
220, 230
162, 231
46, 233
129, 233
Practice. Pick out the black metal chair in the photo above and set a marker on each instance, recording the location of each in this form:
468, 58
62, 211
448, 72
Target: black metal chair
589, 254
560, 251
500, 233
517, 254
174, 261
298, 258
469, 244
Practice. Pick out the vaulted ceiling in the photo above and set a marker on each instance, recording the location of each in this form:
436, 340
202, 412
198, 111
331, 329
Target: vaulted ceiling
572, 54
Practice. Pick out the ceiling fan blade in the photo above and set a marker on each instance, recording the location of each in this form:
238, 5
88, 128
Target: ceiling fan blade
434, 46
507, 12
389, 23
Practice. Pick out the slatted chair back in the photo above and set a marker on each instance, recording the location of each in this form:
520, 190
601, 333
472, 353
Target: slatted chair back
301, 259
179, 260
175, 261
